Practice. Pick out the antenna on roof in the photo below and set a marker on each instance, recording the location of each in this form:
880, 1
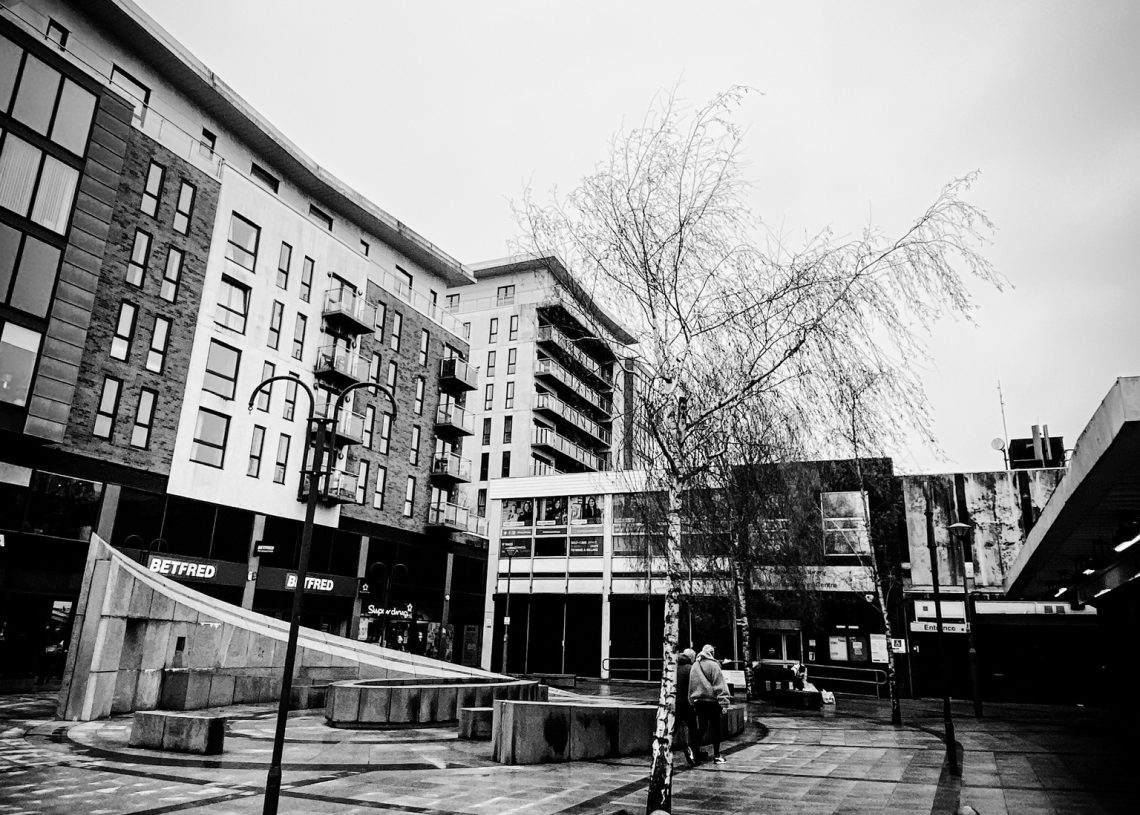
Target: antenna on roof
1004, 427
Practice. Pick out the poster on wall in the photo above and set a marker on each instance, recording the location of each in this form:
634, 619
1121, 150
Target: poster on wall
837, 649
586, 511
879, 648
586, 546
552, 511
514, 546
858, 649
518, 512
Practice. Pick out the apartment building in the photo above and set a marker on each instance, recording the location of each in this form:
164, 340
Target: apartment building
553, 378
163, 250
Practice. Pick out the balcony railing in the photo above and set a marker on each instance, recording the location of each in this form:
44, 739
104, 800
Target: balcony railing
335, 362
537, 468
547, 401
548, 367
449, 515
545, 437
476, 525
338, 487
421, 303
451, 467
348, 311
550, 334
349, 427
455, 419
456, 371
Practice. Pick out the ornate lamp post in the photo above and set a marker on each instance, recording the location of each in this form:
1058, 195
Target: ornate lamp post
964, 533
948, 721
319, 431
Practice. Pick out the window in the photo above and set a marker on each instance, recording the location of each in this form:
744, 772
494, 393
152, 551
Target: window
489, 397
144, 418
233, 305
108, 408
433, 295
307, 279
63, 113
159, 342
403, 284
321, 217
505, 295
171, 275
512, 360
282, 462
508, 428
39, 85
290, 409
22, 182
381, 318
267, 371
275, 320
381, 483
19, 348
361, 480
452, 302
124, 331
241, 246
491, 355
506, 464
256, 444
299, 336
364, 247
397, 326
263, 177
484, 466
140, 257
57, 34
369, 424
487, 430
374, 369
208, 143
222, 363
414, 450
844, 523
493, 334
481, 504
284, 258
393, 370
185, 207
425, 342
152, 192
418, 405
509, 397
30, 287
137, 93
210, 433
467, 331
410, 497
385, 433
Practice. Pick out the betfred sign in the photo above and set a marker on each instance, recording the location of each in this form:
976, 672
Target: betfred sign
312, 583
315, 583
196, 570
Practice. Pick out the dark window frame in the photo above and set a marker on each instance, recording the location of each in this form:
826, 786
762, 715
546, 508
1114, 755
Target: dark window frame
148, 425
132, 264
113, 416
281, 463
307, 267
159, 351
221, 376
197, 442
256, 440
276, 319
286, 252
236, 252
127, 339
152, 198
170, 284
182, 217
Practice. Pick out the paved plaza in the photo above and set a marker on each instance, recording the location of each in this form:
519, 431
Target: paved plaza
1020, 759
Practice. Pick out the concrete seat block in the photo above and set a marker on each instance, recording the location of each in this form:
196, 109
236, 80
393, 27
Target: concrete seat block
404, 704
593, 732
344, 704
147, 729
178, 732
484, 696
429, 705
446, 710
635, 729
475, 723
373, 705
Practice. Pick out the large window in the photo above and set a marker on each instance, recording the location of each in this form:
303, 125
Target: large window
506, 464
844, 523
28, 269
493, 331
108, 408
159, 342
505, 295
403, 283
144, 419
241, 247
185, 207
152, 192
19, 348
221, 370
509, 396
513, 333
282, 463
284, 258
171, 275
233, 305
321, 217
124, 331
47, 102
256, 445
512, 360
140, 258
210, 433
136, 92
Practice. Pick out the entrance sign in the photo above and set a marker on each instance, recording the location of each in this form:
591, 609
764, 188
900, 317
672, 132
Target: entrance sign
930, 628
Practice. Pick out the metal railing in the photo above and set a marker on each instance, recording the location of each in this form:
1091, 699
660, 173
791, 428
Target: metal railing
340, 359
559, 372
456, 416
548, 333
455, 368
342, 300
647, 668
830, 676
453, 515
548, 438
350, 425
452, 465
548, 401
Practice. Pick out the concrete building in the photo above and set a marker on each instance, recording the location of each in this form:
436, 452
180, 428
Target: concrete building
163, 249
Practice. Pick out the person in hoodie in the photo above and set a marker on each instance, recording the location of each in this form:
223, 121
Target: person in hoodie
685, 712
708, 693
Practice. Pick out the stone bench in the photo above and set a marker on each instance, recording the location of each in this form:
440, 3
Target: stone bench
384, 703
178, 732
557, 680
308, 695
475, 723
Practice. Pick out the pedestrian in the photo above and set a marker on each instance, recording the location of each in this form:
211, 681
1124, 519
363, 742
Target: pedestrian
708, 693
685, 712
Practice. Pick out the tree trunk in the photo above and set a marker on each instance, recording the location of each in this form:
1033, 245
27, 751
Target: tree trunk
892, 671
742, 586
660, 797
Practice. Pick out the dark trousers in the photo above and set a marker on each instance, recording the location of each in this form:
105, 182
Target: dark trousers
686, 714
709, 715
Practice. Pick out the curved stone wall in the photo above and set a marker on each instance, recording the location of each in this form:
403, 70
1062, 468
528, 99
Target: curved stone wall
380, 702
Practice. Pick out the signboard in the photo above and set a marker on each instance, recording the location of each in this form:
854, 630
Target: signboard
586, 514
879, 648
950, 628
514, 547
261, 548
373, 610
586, 547
951, 609
518, 512
898, 645
837, 648
315, 583
197, 570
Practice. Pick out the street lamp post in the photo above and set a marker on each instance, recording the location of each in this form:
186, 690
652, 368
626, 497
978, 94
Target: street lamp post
964, 531
318, 429
507, 612
948, 721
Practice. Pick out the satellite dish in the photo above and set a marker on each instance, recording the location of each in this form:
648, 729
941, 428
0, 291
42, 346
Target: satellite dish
998, 444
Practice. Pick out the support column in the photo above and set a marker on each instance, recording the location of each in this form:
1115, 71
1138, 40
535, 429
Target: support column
253, 561
361, 572
108, 511
446, 617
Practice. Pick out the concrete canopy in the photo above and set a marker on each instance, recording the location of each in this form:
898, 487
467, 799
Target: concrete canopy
1084, 519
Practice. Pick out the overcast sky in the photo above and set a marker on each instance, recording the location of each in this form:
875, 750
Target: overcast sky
442, 113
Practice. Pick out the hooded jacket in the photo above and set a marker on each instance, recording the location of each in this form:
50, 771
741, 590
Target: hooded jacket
706, 681
684, 666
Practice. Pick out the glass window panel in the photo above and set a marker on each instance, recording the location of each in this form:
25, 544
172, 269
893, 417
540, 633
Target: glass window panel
55, 195
73, 118
209, 438
9, 246
221, 370
18, 349
170, 276
35, 98
10, 54
137, 93
18, 166
35, 279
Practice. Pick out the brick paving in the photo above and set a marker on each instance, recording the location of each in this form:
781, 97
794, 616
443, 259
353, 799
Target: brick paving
1020, 759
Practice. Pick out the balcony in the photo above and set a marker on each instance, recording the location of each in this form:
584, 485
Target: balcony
550, 404
546, 438
457, 375
349, 429
551, 369
346, 312
339, 367
450, 469
565, 347
337, 488
452, 421
451, 516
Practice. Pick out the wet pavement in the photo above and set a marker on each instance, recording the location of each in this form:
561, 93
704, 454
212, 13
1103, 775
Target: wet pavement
1019, 759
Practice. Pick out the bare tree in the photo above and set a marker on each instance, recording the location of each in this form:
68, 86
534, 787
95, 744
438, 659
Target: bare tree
728, 318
